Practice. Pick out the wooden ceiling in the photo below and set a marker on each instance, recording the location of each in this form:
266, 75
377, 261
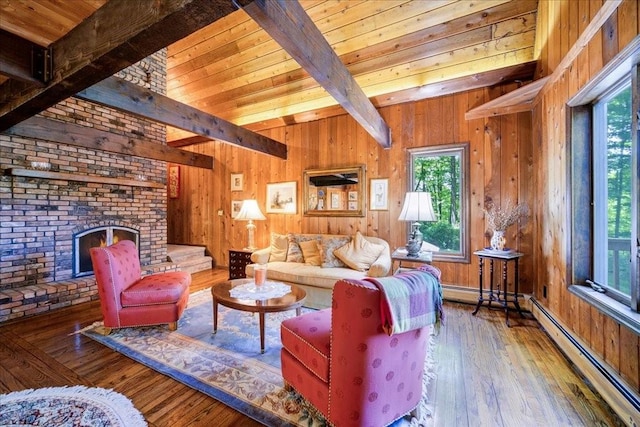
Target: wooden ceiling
396, 50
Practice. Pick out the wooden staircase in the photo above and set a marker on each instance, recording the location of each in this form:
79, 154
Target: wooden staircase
190, 258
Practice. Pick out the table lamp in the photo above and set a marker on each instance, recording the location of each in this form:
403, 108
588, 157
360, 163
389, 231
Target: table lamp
417, 207
250, 212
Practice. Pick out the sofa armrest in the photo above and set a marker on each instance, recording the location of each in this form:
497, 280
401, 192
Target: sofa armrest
381, 266
261, 256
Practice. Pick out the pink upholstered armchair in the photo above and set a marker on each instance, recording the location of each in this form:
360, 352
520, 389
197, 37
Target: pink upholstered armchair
343, 363
127, 299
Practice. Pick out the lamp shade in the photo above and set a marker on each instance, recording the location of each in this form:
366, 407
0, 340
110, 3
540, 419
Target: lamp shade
250, 211
417, 207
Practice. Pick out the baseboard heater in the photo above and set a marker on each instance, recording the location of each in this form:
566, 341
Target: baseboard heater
612, 379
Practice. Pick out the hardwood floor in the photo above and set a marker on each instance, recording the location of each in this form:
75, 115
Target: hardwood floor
486, 373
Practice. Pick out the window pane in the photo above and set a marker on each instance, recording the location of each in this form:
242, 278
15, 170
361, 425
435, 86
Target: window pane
440, 171
617, 217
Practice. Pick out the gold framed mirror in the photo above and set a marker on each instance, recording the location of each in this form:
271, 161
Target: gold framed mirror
335, 192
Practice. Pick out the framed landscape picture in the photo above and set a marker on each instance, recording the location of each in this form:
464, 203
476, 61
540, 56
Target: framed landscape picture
281, 197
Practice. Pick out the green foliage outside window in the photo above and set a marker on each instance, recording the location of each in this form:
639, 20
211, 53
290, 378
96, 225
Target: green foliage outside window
440, 175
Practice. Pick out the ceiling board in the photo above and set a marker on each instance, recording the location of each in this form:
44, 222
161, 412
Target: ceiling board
397, 50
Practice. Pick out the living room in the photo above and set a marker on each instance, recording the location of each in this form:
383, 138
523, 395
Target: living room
522, 155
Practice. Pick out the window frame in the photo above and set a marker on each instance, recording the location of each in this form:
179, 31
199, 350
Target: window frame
580, 155
461, 149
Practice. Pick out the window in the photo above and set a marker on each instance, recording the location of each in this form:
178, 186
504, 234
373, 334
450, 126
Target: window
612, 189
442, 171
605, 182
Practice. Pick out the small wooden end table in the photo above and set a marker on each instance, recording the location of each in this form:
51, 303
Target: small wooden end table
401, 256
494, 295
220, 293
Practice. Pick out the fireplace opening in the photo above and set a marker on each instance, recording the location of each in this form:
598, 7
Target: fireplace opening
98, 237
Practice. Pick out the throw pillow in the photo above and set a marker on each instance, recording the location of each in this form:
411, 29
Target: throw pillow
294, 253
311, 252
327, 246
360, 253
278, 248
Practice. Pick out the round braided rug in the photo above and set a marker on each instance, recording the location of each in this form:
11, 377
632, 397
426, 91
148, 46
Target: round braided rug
76, 406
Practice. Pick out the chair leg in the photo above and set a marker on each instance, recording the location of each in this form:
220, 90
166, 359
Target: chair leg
173, 326
103, 330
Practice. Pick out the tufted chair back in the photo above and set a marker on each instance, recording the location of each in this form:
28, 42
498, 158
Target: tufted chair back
342, 362
127, 299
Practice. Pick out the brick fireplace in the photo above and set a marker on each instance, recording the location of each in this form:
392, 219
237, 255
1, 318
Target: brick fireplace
41, 216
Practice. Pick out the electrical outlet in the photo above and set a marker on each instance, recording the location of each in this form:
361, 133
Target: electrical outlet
220, 212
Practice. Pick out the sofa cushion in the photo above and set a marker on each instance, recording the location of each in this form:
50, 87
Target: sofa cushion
359, 253
305, 274
311, 252
279, 246
294, 253
307, 338
328, 244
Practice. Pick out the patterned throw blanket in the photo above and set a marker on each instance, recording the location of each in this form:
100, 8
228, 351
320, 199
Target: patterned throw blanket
410, 300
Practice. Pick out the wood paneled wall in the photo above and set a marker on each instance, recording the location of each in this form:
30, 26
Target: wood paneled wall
500, 158
562, 23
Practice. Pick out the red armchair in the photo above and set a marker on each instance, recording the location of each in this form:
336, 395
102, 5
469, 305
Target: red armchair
343, 363
127, 299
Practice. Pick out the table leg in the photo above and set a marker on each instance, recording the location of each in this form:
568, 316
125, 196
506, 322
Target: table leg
491, 295
215, 316
515, 288
480, 299
262, 333
504, 287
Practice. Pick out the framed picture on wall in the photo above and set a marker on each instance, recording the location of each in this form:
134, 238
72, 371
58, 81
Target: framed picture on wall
281, 197
236, 205
379, 197
173, 182
237, 182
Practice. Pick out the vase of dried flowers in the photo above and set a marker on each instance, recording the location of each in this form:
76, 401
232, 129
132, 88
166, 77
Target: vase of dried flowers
498, 241
499, 219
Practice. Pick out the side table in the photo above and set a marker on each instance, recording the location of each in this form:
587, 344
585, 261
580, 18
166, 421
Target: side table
400, 256
238, 260
501, 296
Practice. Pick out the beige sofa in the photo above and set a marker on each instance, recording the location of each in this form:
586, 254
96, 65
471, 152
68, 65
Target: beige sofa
292, 259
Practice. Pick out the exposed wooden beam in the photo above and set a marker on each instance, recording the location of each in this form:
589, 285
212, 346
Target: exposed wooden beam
136, 100
516, 101
289, 25
23, 60
82, 136
119, 34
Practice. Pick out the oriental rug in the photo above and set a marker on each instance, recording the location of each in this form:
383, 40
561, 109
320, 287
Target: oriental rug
228, 365
76, 406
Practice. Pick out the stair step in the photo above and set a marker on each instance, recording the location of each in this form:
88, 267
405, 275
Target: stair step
191, 259
178, 253
196, 265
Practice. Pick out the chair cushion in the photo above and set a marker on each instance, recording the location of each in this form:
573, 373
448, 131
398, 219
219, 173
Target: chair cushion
307, 338
163, 288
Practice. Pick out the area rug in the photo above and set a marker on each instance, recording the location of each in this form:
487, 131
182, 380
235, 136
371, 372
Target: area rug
227, 366
76, 406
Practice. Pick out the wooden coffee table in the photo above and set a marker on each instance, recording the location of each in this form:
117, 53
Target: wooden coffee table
220, 294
